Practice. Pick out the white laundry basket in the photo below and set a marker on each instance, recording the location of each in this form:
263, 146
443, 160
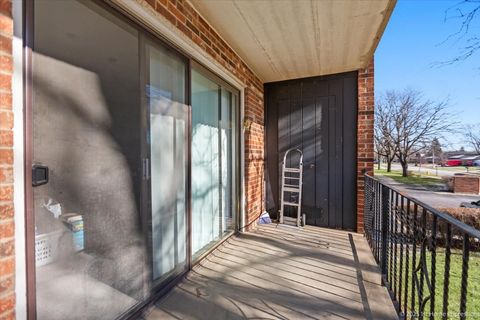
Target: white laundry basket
46, 247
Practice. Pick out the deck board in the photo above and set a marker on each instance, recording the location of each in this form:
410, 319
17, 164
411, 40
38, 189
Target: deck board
278, 272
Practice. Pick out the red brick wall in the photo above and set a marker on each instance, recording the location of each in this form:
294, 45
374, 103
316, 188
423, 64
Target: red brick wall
182, 15
466, 184
365, 135
254, 155
7, 253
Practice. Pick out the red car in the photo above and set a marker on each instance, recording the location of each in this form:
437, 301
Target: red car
453, 163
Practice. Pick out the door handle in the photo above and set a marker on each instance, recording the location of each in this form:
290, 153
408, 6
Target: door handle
312, 166
39, 175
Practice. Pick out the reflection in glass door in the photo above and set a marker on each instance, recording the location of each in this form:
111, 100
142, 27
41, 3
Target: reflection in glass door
214, 114
167, 139
110, 121
228, 121
89, 249
205, 162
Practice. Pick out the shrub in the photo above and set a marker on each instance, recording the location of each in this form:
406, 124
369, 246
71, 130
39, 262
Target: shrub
470, 216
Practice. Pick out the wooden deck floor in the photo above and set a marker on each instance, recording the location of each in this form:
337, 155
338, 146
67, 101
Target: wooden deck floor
280, 272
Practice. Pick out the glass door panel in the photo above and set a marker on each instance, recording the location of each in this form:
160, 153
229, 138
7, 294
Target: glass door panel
227, 113
214, 116
205, 163
110, 122
165, 92
90, 249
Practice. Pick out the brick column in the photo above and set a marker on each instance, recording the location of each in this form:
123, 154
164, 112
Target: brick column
254, 155
466, 184
7, 249
365, 141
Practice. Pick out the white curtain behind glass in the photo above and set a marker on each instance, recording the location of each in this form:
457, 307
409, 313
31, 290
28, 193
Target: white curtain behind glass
167, 153
205, 162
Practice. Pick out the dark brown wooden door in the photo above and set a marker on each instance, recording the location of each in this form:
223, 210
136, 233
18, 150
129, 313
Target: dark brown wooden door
318, 116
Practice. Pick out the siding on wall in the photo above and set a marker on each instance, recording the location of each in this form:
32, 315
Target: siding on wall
319, 116
7, 249
184, 17
364, 135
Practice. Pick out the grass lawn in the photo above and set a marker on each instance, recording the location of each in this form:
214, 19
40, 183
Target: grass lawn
473, 289
473, 293
457, 169
413, 178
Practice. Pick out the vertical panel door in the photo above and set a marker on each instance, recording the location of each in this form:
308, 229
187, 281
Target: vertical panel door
318, 116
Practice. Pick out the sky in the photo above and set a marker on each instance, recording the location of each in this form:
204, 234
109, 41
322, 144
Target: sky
410, 55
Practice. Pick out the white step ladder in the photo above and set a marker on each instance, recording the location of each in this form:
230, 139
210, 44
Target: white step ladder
291, 183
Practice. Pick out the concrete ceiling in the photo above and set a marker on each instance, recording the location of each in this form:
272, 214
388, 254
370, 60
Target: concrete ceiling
286, 39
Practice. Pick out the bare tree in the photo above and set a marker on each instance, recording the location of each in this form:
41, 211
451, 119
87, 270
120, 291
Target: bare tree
416, 122
473, 137
468, 12
384, 145
377, 147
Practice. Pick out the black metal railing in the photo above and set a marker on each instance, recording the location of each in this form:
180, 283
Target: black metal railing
424, 255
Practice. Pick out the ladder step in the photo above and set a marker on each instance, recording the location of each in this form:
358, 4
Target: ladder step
291, 178
291, 170
291, 185
290, 204
290, 189
289, 219
295, 184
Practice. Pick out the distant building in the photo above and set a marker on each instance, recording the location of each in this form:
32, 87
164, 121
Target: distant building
468, 159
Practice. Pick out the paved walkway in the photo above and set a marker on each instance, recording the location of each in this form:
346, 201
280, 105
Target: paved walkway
436, 199
281, 272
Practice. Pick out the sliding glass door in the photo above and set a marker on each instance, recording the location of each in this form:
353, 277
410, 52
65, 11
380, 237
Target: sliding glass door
167, 148
90, 245
214, 114
127, 187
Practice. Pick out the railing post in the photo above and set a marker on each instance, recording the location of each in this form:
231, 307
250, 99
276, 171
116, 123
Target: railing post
385, 215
